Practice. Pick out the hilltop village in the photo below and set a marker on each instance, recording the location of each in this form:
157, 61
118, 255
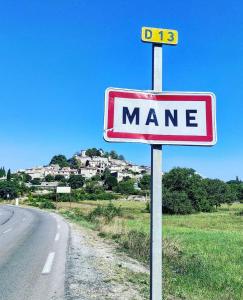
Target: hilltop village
87, 163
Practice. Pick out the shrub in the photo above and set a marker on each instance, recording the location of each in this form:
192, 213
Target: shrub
108, 212
47, 204
147, 207
40, 202
137, 243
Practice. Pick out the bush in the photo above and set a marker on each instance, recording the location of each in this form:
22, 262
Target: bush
108, 212
147, 207
47, 204
137, 243
40, 202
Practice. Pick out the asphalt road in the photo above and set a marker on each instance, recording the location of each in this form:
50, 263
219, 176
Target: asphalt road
33, 246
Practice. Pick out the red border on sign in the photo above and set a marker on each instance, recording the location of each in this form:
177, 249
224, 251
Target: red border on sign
207, 98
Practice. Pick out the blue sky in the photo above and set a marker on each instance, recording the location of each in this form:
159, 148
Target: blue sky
58, 57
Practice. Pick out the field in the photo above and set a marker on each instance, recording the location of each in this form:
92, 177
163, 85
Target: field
203, 254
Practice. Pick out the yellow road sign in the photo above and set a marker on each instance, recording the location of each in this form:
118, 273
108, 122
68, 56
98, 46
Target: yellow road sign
159, 36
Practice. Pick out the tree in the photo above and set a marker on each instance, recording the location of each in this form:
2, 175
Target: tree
76, 181
36, 181
111, 182
237, 186
60, 178
9, 175
106, 154
26, 177
217, 191
93, 152
240, 193
176, 203
125, 187
9, 189
2, 172
93, 187
74, 163
144, 182
106, 174
188, 181
49, 178
60, 160
96, 178
113, 154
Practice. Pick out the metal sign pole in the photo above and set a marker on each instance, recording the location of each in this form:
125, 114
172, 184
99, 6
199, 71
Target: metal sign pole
156, 194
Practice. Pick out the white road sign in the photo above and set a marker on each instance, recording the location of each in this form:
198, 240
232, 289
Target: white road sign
160, 118
63, 190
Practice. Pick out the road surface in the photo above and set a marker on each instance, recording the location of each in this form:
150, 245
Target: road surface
33, 246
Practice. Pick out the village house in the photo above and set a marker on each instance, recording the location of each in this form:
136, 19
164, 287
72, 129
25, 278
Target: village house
88, 172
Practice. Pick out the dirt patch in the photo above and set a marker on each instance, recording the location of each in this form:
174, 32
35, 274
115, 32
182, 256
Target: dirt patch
95, 270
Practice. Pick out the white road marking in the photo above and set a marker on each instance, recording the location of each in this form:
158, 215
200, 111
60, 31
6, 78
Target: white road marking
49, 263
57, 237
8, 230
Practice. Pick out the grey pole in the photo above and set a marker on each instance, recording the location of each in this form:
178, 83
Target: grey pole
156, 194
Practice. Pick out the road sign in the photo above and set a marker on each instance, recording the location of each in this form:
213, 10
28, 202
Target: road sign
63, 190
159, 36
179, 118
157, 118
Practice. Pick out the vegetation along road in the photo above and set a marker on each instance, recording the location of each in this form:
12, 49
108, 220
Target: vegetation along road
202, 255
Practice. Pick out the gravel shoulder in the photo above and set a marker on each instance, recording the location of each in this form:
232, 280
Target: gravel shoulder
95, 269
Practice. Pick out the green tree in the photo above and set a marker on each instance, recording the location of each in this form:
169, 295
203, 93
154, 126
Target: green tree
113, 154
36, 181
26, 177
188, 181
125, 187
9, 189
110, 182
218, 192
60, 160
106, 174
175, 202
9, 175
49, 178
2, 172
144, 182
93, 187
106, 154
74, 163
76, 181
60, 178
237, 186
96, 178
93, 152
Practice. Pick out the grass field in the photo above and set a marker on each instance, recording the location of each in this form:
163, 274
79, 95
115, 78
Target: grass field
203, 256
